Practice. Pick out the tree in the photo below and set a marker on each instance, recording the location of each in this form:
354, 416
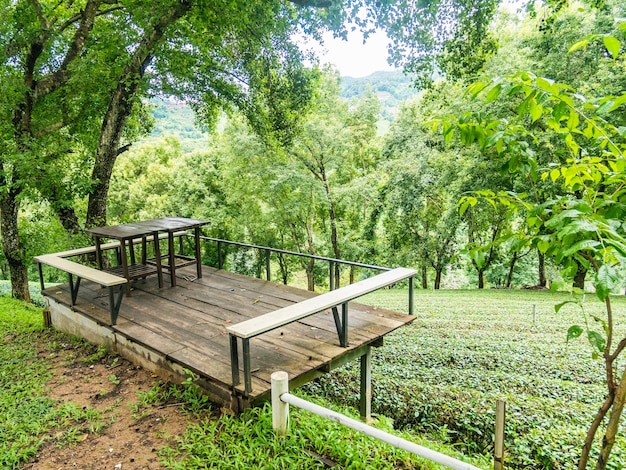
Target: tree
74, 74
583, 224
205, 53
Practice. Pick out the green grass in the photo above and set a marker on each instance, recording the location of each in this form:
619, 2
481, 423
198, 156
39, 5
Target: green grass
28, 418
248, 442
443, 374
436, 381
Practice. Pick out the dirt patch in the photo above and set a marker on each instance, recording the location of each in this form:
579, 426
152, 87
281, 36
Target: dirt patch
125, 438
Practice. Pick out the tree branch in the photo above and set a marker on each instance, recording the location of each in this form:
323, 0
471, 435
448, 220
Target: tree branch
53, 81
48, 129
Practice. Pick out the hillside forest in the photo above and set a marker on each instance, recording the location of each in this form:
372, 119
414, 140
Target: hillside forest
506, 166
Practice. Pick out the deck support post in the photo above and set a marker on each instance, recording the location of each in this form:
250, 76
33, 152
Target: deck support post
365, 399
73, 288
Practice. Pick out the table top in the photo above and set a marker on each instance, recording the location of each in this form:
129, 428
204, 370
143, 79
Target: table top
138, 229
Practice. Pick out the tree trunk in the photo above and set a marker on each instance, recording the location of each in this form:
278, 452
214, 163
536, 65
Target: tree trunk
613, 426
509, 277
438, 272
120, 107
542, 269
333, 226
12, 246
481, 278
310, 280
424, 276
579, 278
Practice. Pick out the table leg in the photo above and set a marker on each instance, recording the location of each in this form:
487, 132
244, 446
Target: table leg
125, 264
198, 252
143, 250
131, 251
98, 253
157, 259
172, 257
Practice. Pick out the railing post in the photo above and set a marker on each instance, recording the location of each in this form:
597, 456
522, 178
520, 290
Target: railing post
280, 409
331, 275
268, 273
220, 263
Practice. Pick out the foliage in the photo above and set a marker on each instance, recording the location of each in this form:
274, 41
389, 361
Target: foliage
581, 226
443, 374
248, 441
28, 418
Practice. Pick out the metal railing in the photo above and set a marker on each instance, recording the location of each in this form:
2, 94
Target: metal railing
332, 262
281, 399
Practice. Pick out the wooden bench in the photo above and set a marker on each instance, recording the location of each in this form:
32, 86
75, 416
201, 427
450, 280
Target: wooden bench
292, 313
110, 281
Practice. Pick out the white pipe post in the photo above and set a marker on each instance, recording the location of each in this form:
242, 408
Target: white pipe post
280, 409
498, 448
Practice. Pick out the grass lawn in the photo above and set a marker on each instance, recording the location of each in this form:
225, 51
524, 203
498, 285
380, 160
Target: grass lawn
444, 373
437, 381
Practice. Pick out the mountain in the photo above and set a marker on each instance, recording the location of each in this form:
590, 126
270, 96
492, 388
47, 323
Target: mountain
392, 89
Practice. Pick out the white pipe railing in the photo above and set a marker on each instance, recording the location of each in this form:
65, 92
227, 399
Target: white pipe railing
281, 399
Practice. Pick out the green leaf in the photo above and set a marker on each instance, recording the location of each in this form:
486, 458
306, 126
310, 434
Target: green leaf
555, 174
493, 93
574, 332
582, 245
596, 340
607, 279
612, 45
536, 110
559, 306
583, 43
543, 245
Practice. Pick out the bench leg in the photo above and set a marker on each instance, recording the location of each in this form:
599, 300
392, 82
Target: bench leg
411, 296
40, 269
115, 302
247, 373
234, 360
342, 324
73, 288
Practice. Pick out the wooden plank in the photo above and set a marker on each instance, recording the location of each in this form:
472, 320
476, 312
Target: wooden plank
308, 307
188, 324
84, 272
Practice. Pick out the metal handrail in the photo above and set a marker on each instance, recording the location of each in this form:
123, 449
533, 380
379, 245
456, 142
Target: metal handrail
268, 250
296, 253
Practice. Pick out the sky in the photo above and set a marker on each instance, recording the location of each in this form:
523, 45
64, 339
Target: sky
352, 58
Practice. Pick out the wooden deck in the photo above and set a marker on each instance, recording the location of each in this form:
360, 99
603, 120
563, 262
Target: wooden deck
172, 329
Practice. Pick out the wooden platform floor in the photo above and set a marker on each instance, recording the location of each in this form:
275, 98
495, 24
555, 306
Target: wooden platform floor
187, 324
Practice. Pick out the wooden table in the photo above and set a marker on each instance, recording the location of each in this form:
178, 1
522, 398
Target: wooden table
171, 225
126, 233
